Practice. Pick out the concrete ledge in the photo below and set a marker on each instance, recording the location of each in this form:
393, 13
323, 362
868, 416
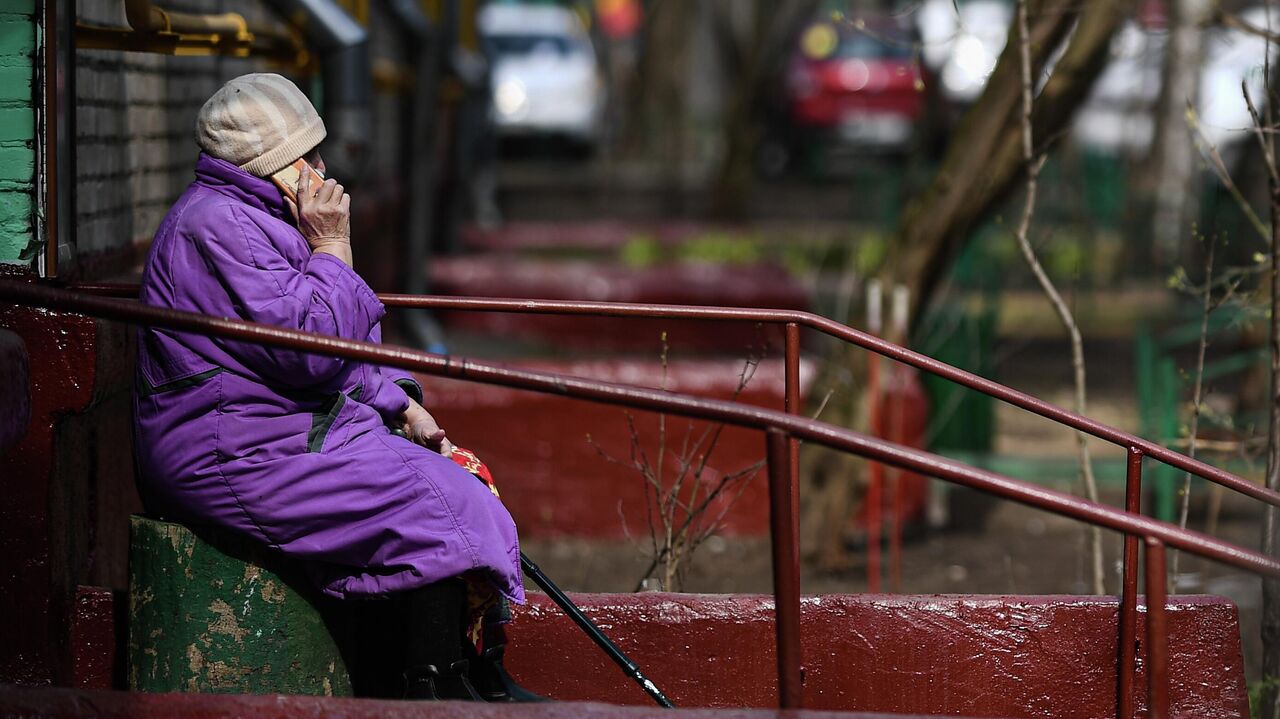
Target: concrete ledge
213, 614
71, 703
1024, 656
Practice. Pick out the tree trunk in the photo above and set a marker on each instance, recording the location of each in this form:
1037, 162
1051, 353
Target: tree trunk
983, 158
1174, 158
656, 106
760, 63
1270, 522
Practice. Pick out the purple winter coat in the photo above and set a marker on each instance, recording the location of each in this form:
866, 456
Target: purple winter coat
287, 447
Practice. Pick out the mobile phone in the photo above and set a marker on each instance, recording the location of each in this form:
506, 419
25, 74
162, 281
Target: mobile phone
290, 178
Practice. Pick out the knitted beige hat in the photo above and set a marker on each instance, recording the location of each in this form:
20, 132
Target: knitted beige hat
260, 122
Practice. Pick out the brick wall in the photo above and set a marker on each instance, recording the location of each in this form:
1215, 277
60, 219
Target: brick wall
135, 119
17, 127
136, 114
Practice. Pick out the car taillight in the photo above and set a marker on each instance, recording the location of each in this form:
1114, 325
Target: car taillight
853, 75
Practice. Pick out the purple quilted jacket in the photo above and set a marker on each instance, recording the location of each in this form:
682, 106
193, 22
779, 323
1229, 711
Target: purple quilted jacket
288, 447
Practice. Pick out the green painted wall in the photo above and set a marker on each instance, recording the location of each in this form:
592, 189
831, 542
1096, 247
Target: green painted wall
17, 128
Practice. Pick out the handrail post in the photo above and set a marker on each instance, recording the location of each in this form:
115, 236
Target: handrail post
1157, 632
791, 389
875, 476
875, 471
784, 535
1127, 647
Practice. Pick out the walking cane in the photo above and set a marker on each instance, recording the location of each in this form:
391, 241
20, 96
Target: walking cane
584, 623
568, 607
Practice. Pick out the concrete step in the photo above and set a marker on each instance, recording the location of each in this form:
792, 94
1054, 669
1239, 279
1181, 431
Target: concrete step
754, 285
209, 613
967, 655
55, 703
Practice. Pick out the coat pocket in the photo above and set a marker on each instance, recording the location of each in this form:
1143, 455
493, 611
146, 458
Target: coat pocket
146, 389
330, 416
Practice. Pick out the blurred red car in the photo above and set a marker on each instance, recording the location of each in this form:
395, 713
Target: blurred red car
851, 83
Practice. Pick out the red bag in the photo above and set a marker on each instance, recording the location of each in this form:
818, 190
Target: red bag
468, 460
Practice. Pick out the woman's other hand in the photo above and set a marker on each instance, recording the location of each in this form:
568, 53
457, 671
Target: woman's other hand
421, 428
324, 217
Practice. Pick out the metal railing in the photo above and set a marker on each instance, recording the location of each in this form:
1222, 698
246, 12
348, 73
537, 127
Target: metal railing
783, 430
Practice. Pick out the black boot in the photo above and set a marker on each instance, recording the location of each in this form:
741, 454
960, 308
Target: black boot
436, 668
490, 677
428, 683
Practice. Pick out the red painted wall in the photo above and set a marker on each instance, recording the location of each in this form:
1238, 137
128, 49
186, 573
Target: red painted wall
982, 656
556, 483
67, 487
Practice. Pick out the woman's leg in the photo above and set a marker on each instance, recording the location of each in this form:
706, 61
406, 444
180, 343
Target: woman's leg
436, 667
488, 674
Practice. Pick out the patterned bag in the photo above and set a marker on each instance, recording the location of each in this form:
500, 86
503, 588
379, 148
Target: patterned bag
484, 605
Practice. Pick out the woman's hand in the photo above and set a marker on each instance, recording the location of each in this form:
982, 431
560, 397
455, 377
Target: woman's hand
421, 428
324, 218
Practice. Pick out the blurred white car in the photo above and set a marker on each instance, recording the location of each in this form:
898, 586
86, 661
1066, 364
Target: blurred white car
545, 77
962, 47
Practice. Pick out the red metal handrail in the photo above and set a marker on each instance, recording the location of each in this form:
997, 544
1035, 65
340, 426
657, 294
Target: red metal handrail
779, 427
828, 327
1137, 447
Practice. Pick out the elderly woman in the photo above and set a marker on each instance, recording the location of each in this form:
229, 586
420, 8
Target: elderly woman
293, 449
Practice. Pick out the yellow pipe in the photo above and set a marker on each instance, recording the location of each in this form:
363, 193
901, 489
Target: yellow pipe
145, 17
152, 29
90, 37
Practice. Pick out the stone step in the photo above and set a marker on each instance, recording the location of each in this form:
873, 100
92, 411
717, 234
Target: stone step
212, 613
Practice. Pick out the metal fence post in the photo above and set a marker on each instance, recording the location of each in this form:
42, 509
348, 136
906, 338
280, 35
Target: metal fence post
784, 531
1157, 632
1128, 642
792, 390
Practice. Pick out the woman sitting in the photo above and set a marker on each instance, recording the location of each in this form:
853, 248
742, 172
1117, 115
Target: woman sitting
293, 449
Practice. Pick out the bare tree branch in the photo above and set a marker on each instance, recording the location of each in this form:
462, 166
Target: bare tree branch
1268, 153
1232, 20
682, 502
1196, 397
1034, 165
1270, 630
1224, 176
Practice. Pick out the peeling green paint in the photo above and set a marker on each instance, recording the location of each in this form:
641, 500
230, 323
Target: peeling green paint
217, 613
17, 128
